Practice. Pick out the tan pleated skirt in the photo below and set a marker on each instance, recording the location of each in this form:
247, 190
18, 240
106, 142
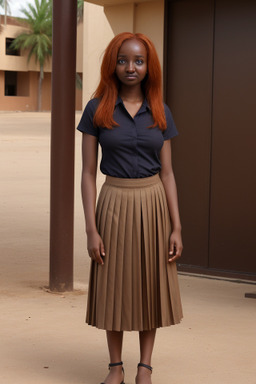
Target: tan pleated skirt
136, 288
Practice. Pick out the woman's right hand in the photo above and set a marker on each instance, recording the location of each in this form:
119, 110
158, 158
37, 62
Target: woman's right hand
95, 247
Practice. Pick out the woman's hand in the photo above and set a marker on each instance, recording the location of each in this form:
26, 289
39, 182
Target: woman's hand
95, 247
175, 246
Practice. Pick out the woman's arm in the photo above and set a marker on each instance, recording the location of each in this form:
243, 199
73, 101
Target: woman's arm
168, 180
88, 185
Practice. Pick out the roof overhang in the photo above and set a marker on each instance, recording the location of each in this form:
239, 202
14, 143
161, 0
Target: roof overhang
116, 2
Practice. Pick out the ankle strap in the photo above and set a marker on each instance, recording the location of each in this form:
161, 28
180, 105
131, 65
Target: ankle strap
115, 364
145, 366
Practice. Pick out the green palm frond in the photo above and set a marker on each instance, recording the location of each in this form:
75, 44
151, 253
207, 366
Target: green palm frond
38, 39
80, 10
2, 5
79, 81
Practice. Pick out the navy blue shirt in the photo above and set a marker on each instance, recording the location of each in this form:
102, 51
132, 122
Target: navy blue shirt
131, 150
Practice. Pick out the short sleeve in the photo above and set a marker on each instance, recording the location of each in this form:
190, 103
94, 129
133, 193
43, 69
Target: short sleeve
171, 130
86, 123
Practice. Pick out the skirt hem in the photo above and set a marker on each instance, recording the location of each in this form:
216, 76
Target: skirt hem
134, 330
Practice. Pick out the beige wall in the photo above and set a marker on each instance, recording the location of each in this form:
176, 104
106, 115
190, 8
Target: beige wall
23, 84
120, 17
96, 32
149, 19
102, 23
79, 48
19, 103
16, 63
20, 63
27, 74
28, 84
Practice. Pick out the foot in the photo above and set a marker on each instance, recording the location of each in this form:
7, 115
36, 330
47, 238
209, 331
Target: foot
115, 376
143, 376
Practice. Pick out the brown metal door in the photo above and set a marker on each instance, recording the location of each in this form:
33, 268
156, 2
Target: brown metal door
211, 89
233, 175
189, 94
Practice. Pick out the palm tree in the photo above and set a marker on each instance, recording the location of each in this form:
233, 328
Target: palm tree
38, 40
80, 10
5, 5
80, 13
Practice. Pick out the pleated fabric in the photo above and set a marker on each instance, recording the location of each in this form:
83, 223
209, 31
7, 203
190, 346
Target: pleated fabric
136, 288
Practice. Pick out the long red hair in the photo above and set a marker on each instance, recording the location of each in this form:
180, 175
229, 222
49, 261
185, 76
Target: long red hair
107, 90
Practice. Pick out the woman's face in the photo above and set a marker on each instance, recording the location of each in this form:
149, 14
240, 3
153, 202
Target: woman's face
131, 66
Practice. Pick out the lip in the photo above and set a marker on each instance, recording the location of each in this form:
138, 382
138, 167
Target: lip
130, 76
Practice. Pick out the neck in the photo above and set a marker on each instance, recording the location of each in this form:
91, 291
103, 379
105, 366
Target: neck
131, 94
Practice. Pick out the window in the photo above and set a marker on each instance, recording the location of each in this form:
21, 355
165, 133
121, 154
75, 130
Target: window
10, 83
9, 50
16, 83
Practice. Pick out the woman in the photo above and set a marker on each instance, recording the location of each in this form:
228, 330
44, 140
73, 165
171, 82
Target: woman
135, 237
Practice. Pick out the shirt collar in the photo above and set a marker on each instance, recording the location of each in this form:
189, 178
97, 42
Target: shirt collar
144, 105
118, 101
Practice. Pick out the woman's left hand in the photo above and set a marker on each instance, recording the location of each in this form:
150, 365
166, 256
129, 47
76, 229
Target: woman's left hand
175, 246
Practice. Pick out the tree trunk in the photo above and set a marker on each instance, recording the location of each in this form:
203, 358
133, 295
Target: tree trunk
41, 76
5, 12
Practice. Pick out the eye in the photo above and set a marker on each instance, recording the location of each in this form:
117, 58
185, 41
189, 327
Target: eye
121, 61
139, 61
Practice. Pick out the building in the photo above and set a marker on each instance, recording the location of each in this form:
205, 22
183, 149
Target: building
207, 49
19, 78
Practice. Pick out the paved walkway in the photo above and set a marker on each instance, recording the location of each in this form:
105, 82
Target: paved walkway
43, 338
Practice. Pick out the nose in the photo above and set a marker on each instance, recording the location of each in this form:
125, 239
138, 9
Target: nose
130, 67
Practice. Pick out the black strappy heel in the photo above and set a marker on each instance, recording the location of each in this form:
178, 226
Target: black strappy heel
145, 366
115, 365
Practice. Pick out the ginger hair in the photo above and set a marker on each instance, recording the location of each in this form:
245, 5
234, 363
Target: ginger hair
107, 90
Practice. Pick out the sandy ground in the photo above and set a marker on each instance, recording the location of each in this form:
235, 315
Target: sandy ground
43, 337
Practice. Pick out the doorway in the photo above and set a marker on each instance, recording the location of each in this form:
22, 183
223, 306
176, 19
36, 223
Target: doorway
211, 87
